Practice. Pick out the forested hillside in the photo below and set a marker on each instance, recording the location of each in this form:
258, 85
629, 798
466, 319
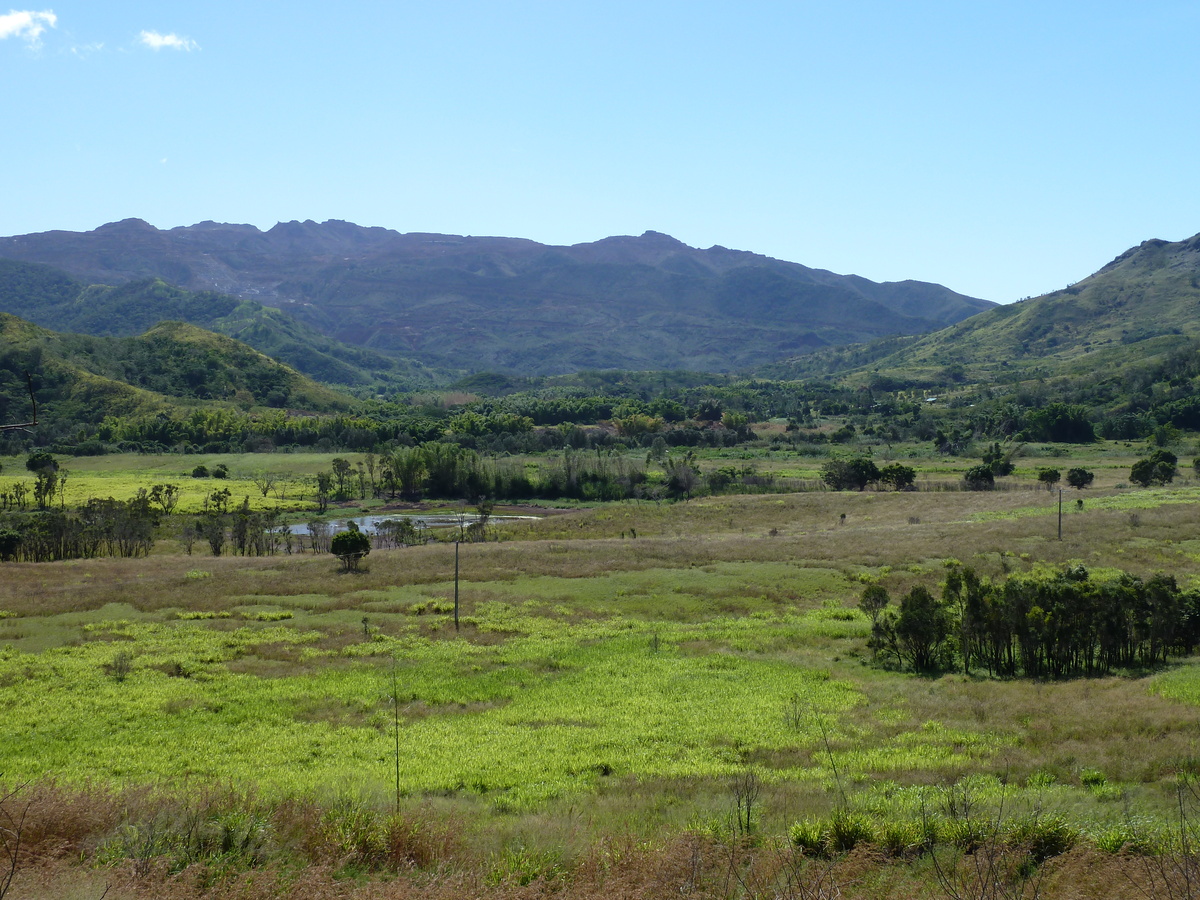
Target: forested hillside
52, 299
513, 305
80, 380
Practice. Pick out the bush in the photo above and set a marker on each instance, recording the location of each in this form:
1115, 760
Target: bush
900, 477
350, 547
1049, 477
850, 474
1157, 468
899, 837
979, 478
846, 830
1043, 837
1079, 478
808, 836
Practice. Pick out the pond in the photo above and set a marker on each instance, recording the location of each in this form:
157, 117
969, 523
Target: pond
370, 524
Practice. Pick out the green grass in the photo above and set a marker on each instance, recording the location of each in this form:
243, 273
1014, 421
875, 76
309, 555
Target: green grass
595, 670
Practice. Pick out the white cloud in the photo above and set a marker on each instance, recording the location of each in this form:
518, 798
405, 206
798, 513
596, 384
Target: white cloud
26, 25
156, 41
83, 51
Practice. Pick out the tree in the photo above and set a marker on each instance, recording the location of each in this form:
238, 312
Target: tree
166, 496
341, 474
850, 474
921, 628
10, 542
900, 477
1049, 477
1079, 478
682, 476
212, 527
264, 481
45, 469
350, 547
998, 460
404, 471
1157, 468
324, 482
979, 478
1061, 423
874, 601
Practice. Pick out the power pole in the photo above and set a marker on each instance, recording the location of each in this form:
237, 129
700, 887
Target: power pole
1060, 514
396, 726
456, 586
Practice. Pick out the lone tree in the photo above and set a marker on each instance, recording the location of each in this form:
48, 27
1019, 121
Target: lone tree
979, 478
1049, 477
1079, 478
350, 547
900, 477
1157, 468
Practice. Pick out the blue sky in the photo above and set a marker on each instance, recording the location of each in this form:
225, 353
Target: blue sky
1004, 148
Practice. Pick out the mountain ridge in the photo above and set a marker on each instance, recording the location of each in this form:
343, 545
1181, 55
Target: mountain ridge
512, 304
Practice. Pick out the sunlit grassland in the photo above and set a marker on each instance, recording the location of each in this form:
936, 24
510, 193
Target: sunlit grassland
609, 657
121, 475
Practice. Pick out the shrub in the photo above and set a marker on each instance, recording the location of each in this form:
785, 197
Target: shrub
1049, 477
901, 838
1079, 478
1043, 837
350, 547
846, 830
808, 836
850, 474
900, 477
1157, 468
979, 478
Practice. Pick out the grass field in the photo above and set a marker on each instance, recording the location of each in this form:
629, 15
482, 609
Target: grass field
619, 672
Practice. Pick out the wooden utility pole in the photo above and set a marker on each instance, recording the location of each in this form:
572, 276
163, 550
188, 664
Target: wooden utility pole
396, 726
456, 586
1060, 514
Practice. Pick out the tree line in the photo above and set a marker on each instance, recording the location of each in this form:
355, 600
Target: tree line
1069, 624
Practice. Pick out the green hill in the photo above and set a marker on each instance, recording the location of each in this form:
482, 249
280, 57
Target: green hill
53, 299
81, 379
1137, 310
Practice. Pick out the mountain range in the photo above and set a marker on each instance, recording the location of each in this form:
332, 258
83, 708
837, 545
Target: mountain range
469, 304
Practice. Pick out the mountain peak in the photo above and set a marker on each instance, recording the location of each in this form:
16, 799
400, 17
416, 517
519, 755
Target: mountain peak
131, 224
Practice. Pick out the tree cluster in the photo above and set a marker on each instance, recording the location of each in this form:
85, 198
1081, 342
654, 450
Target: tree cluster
1066, 625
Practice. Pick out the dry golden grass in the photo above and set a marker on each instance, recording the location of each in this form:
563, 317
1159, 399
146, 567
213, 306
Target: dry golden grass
615, 868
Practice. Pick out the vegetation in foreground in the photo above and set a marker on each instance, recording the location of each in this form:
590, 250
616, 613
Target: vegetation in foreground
694, 708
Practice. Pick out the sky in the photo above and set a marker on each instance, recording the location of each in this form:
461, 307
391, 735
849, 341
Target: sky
1000, 147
